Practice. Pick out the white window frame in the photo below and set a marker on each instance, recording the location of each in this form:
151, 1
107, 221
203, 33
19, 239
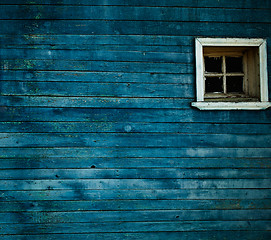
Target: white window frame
263, 102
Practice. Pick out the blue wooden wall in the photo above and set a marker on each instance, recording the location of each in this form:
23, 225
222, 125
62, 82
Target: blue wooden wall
98, 139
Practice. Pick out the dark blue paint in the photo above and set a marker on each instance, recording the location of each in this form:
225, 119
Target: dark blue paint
97, 136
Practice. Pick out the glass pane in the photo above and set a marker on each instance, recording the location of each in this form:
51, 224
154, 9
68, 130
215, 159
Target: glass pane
234, 64
213, 64
234, 84
214, 84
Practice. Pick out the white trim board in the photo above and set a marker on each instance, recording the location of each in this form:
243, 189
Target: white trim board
231, 105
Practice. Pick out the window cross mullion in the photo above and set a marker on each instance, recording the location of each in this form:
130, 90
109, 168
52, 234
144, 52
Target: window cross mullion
224, 74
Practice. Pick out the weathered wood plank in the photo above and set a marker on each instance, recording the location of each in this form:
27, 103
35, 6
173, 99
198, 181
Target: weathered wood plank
70, 65
173, 3
99, 47
100, 27
33, 114
96, 77
147, 140
155, 182
136, 216
97, 102
165, 194
101, 43
167, 173
135, 13
134, 227
111, 205
176, 235
101, 163
133, 127
116, 152
102, 40
65, 89
102, 55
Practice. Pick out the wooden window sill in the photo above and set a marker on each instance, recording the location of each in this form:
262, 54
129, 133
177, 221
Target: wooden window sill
231, 105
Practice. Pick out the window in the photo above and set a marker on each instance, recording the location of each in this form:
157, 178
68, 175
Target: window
231, 74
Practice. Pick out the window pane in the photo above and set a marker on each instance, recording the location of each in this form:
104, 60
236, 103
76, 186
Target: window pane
213, 64
234, 64
213, 84
234, 84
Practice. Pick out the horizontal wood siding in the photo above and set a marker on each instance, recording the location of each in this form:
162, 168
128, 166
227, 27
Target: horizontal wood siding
98, 139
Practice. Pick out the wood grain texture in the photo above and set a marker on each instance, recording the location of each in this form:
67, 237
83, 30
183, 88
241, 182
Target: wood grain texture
113, 205
203, 235
66, 65
73, 89
133, 216
124, 194
67, 40
118, 152
98, 139
142, 140
133, 127
133, 227
96, 77
173, 3
134, 13
77, 162
96, 55
97, 102
87, 180
33, 114
100, 27
168, 173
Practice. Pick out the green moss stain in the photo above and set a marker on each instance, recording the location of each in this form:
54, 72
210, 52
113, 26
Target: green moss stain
19, 64
39, 12
228, 204
38, 16
28, 64
31, 2
33, 87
